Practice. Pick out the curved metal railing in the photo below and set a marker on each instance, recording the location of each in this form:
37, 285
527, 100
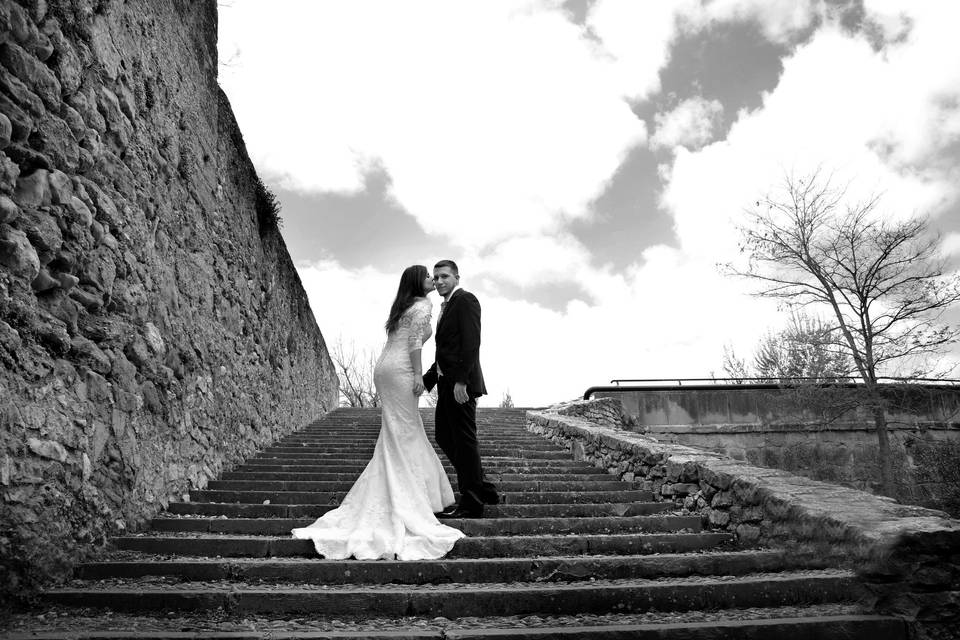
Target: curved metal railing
704, 384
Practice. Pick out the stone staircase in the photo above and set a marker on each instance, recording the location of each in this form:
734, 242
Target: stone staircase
570, 552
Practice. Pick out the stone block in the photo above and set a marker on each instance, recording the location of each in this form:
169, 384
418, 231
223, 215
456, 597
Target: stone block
32, 72
54, 139
44, 281
718, 518
719, 480
578, 451
745, 491
21, 94
722, 500
684, 488
47, 449
747, 534
85, 352
746, 514
17, 254
6, 131
21, 123
33, 190
106, 210
21, 26
43, 231
9, 172
61, 187
68, 68
9, 211
90, 300
67, 281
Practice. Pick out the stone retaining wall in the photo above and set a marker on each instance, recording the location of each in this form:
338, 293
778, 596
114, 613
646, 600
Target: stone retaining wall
908, 556
153, 329
925, 457
811, 431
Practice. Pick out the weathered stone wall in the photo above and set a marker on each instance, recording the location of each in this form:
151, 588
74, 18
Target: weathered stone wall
814, 432
908, 557
153, 329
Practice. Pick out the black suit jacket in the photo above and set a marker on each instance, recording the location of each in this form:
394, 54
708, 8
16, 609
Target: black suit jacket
458, 344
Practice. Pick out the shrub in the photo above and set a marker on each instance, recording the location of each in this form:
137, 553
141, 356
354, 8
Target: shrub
267, 206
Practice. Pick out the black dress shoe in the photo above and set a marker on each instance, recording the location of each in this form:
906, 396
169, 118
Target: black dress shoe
472, 512
446, 513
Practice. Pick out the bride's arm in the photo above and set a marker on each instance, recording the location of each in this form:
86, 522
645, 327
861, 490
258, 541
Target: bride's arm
419, 327
417, 371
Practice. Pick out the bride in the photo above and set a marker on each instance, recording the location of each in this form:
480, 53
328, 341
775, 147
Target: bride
388, 513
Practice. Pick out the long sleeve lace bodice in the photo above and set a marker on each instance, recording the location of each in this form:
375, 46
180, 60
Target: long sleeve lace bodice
414, 325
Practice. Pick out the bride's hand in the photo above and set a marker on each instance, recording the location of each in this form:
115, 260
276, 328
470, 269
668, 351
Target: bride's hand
418, 387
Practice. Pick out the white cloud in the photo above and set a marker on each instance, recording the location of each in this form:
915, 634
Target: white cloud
536, 260
779, 20
690, 124
636, 36
950, 246
492, 118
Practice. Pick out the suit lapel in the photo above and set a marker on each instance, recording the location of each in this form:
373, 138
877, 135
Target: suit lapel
450, 304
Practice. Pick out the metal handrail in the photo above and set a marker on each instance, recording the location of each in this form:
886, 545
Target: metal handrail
740, 384
762, 380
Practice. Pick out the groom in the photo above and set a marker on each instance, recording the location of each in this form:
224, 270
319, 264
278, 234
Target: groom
456, 373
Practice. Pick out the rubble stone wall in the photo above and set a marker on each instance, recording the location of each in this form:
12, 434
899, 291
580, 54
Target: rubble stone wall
908, 557
153, 329
810, 432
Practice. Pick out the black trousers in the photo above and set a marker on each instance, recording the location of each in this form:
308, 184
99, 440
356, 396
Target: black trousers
456, 433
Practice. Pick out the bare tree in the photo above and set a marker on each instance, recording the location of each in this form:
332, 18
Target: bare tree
355, 370
884, 282
506, 402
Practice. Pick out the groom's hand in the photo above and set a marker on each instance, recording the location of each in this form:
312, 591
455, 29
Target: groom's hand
417, 386
460, 392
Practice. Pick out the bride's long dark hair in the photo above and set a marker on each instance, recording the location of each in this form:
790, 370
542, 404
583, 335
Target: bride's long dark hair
411, 288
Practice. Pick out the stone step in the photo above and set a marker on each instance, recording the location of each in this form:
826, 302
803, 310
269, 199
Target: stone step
458, 600
484, 429
353, 436
487, 448
340, 485
813, 626
555, 466
334, 497
462, 570
240, 510
475, 547
596, 475
471, 527
364, 454
485, 436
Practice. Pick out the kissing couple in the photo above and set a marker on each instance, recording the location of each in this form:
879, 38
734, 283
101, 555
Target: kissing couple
394, 508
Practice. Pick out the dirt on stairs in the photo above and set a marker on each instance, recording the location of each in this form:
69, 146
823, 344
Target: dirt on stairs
571, 552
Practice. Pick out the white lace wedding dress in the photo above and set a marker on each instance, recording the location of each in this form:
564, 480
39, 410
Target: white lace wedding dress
388, 513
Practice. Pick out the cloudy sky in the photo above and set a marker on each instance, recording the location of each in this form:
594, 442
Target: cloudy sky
584, 162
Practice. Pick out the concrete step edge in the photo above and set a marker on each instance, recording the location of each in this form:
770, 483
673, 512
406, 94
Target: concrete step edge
814, 628
484, 600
